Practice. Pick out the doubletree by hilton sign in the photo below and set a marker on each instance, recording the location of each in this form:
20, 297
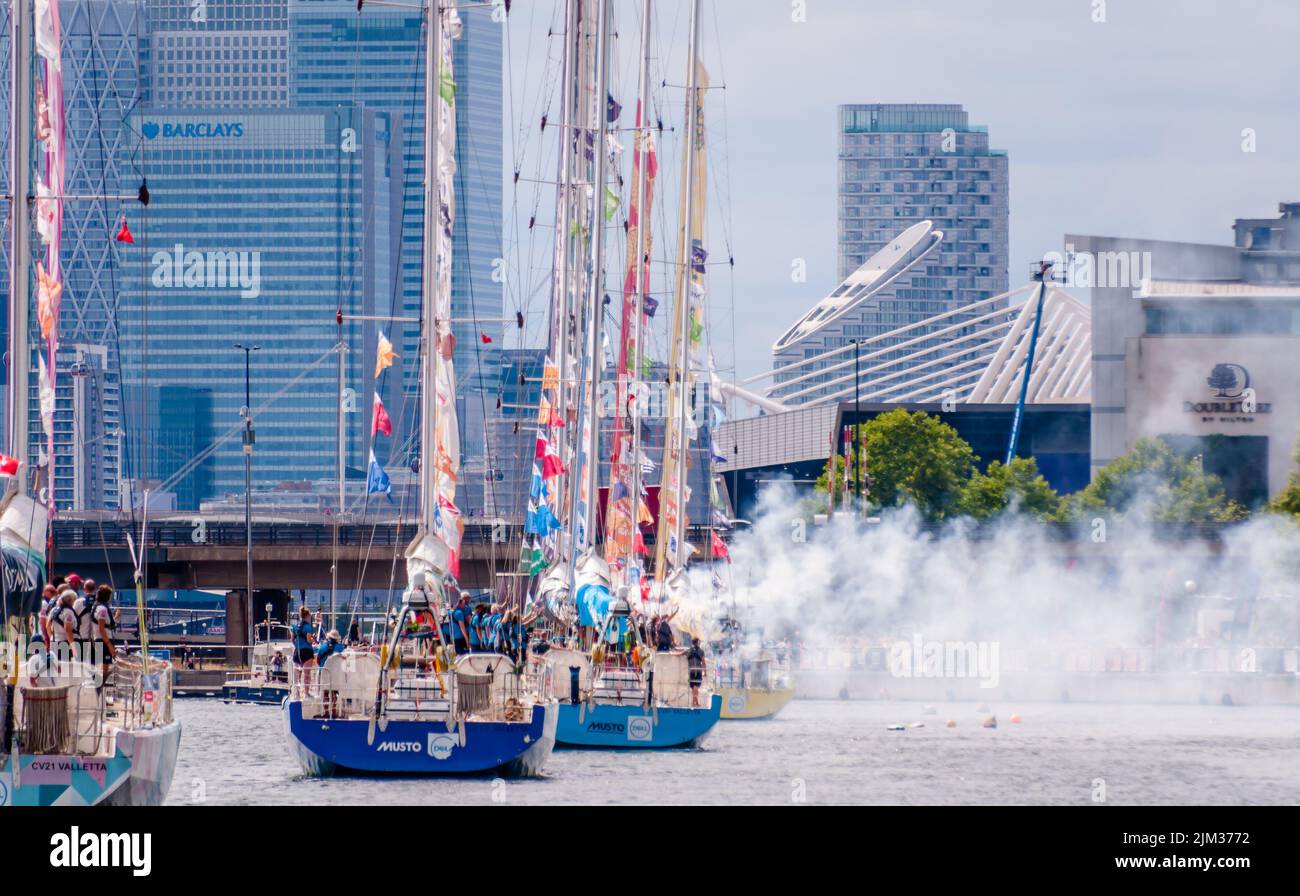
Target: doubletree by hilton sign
1232, 393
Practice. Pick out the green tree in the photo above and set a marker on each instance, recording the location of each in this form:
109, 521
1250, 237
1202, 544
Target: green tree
1017, 486
910, 458
1159, 483
1288, 500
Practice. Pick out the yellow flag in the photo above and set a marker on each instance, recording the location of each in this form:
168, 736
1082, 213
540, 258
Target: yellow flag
384, 356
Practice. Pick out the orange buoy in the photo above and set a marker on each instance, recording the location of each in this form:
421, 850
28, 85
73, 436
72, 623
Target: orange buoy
951, 723
1015, 718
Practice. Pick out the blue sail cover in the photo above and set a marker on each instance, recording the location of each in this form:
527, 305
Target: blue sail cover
593, 604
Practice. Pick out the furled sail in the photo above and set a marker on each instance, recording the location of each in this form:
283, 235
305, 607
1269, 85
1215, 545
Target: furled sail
437, 551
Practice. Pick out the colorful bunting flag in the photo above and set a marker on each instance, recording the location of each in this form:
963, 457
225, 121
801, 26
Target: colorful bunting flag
384, 355
377, 481
382, 422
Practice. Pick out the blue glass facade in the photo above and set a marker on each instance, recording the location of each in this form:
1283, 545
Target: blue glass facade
100, 72
329, 236
380, 64
262, 225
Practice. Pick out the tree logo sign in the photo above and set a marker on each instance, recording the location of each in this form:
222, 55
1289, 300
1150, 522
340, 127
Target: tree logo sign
1228, 380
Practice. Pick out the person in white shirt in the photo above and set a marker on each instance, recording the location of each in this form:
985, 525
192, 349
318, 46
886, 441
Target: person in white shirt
63, 626
104, 621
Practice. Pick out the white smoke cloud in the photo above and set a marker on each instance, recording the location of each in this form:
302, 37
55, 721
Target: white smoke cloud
1016, 581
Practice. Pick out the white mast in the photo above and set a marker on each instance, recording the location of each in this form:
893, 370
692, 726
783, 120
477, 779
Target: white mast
20, 249
643, 239
564, 193
681, 322
596, 283
562, 308
429, 302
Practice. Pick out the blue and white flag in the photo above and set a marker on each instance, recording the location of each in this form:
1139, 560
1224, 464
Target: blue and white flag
377, 480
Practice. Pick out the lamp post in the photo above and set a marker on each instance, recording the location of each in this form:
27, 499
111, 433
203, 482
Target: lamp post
247, 413
857, 421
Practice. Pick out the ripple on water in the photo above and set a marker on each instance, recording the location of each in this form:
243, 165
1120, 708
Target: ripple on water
823, 751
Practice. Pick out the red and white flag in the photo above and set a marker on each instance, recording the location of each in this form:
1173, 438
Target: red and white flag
8, 466
382, 423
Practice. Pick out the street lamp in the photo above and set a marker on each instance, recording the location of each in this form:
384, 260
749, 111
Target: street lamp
857, 421
247, 413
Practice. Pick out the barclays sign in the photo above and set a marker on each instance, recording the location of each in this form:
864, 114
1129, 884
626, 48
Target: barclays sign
191, 129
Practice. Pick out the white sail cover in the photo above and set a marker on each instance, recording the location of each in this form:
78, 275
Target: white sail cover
438, 551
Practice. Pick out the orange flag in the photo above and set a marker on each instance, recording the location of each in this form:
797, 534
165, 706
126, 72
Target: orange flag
384, 355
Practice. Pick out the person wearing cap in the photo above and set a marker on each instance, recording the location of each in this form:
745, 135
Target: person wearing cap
328, 648
461, 618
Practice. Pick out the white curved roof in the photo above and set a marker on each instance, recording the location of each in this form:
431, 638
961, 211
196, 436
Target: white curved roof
877, 272
972, 354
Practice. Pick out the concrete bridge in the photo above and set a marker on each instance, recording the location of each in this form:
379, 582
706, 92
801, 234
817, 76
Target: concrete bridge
290, 553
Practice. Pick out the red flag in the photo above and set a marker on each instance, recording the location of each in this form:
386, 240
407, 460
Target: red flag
719, 548
382, 422
551, 466
8, 466
124, 233
487, 340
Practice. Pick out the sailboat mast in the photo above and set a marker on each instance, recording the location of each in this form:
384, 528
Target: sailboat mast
20, 250
596, 284
563, 241
429, 302
562, 307
643, 250
693, 132
677, 441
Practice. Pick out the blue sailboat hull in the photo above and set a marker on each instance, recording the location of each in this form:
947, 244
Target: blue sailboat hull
616, 727
328, 747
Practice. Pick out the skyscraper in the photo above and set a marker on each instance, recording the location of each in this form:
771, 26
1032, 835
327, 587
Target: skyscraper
215, 54
904, 163
381, 66
263, 223
101, 84
199, 62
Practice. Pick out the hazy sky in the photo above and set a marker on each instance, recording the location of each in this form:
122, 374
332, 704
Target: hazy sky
1131, 126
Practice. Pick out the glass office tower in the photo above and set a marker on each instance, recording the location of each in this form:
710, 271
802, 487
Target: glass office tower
380, 66
263, 225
